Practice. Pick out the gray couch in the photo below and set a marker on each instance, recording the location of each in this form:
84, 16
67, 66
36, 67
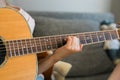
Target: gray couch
90, 64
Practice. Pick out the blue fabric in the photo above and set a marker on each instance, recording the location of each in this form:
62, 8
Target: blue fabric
112, 53
39, 78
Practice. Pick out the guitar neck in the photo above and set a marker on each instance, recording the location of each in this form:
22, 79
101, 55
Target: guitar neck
40, 44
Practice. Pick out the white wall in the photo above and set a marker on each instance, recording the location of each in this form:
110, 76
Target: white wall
99, 6
65, 5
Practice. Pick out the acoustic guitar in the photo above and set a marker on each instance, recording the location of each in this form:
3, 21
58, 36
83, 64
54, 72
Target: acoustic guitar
18, 48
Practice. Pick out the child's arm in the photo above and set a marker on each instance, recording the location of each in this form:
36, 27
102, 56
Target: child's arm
116, 73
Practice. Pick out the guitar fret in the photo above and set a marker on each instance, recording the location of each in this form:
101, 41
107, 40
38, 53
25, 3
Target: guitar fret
18, 48
22, 47
88, 38
91, 38
25, 50
107, 35
110, 36
56, 42
53, 42
7, 48
26, 46
10, 52
14, 48
34, 49
46, 41
38, 47
40, 44
31, 45
43, 45
101, 36
94, 37
50, 42
97, 36
114, 34
59, 42
11, 46
104, 36
82, 39
35, 44
63, 38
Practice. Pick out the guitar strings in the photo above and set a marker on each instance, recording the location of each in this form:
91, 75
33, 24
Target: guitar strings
30, 45
74, 34
19, 48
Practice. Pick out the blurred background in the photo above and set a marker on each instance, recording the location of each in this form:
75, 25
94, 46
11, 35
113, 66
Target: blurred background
90, 6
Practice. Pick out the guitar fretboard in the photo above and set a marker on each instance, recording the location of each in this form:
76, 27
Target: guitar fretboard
40, 44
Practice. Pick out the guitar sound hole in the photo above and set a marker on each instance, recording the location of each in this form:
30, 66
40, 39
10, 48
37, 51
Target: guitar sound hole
2, 52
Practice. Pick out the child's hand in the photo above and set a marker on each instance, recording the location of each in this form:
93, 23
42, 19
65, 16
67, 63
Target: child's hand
72, 46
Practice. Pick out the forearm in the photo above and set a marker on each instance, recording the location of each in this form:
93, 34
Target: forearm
49, 61
71, 47
116, 73
46, 63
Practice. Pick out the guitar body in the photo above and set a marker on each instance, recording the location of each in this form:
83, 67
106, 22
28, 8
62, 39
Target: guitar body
13, 26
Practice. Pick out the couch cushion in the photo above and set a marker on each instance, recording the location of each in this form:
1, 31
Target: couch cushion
92, 60
95, 77
76, 16
51, 26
